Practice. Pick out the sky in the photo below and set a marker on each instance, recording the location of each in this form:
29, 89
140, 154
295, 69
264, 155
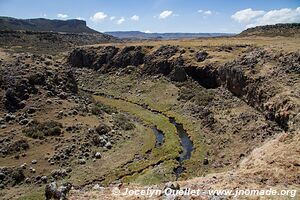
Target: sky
229, 16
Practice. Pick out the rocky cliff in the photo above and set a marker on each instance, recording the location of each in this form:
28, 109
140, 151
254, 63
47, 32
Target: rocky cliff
40, 24
249, 76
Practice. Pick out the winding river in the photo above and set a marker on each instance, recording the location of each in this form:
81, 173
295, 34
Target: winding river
186, 143
187, 146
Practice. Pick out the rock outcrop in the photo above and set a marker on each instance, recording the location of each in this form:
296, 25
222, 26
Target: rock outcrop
240, 76
287, 30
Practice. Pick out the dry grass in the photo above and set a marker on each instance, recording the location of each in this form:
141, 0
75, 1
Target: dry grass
276, 43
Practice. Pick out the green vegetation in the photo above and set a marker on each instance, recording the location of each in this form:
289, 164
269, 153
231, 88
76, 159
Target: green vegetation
120, 120
99, 108
17, 146
33, 195
170, 149
142, 142
163, 96
201, 97
154, 175
102, 129
40, 130
17, 176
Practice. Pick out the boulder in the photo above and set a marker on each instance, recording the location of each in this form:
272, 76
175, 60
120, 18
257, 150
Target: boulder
201, 56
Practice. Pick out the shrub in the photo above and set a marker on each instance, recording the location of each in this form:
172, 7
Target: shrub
19, 145
99, 107
201, 97
185, 94
17, 176
102, 129
40, 130
123, 122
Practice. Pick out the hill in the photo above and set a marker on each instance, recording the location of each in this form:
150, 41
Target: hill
47, 36
40, 24
143, 35
287, 30
49, 42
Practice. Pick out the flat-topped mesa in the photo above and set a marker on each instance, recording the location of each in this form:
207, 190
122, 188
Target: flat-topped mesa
41, 24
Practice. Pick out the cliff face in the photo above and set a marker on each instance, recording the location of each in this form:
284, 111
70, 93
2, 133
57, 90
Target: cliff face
245, 77
40, 24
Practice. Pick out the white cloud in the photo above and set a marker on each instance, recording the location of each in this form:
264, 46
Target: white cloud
99, 16
208, 12
112, 18
147, 31
62, 16
205, 13
121, 20
80, 18
247, 15
135, 18
284, 15
165, 14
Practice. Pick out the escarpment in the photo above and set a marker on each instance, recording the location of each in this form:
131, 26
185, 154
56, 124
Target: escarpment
257, 76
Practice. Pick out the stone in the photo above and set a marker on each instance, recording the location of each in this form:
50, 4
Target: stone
69, 169
27, 180
205, 161
32, 170
108, 145
23, 121
173, 186
97, 187
49, 101
23, 166
33, 162
3, 126
31, 110
98, 155
2, 176
201, 56
81, 161
9, 117
38, 177
44, 179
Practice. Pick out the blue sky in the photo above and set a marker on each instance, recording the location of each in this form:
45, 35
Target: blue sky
160, 15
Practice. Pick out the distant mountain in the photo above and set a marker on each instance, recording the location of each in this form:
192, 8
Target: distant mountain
142, 35
292, 29
41, 24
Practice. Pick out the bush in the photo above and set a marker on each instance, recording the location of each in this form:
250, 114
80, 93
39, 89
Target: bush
40, 130
185, 94
123, 122
201, 97
102, 129
98, 108
17, 146
17, 176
